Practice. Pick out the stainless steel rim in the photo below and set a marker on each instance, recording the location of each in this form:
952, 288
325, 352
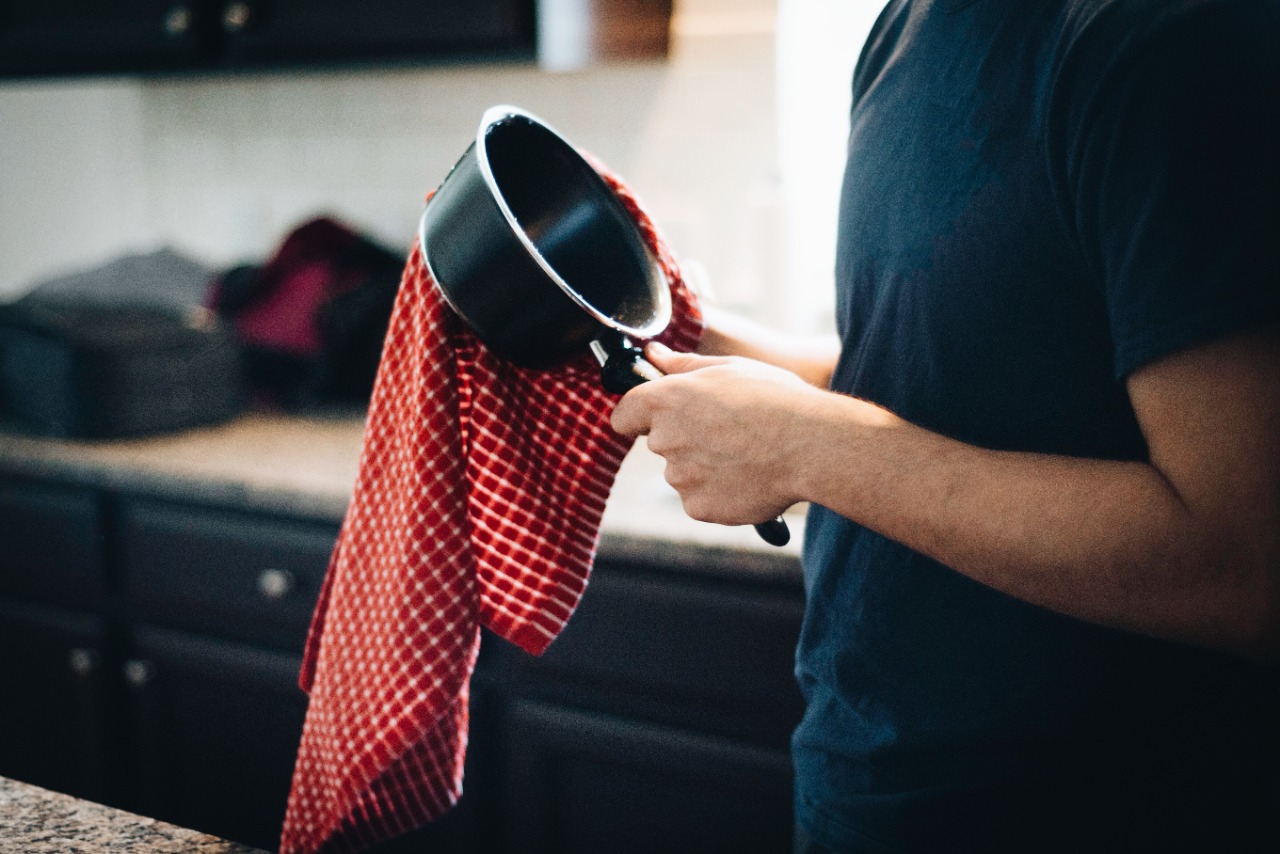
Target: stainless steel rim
662, 314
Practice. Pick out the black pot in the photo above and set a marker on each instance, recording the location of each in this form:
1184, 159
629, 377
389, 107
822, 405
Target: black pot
534, 251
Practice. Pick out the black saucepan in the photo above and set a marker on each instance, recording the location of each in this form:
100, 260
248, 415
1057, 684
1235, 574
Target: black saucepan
534, 251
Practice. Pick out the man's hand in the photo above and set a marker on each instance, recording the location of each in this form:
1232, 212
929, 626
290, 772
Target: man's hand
727, 429
1182, 546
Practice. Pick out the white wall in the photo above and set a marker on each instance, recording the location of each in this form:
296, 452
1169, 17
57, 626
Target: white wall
220, 168
72, 176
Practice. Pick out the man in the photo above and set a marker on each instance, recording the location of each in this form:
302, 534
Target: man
1043, 561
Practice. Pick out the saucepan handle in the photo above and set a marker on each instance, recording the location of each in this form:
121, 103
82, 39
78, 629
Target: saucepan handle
622, 368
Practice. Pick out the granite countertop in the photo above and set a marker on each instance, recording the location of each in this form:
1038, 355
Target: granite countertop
37, 821
306, 467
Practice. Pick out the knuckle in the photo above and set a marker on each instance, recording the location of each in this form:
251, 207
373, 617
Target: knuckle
618, 421
692, 507
699, 508
662, 444
628, 417
677, 479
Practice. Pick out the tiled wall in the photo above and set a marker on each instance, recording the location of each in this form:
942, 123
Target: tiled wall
220, 168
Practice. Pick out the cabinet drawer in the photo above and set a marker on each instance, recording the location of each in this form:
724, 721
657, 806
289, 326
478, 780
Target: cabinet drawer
52, 538
724, 650
582, 783
232, 575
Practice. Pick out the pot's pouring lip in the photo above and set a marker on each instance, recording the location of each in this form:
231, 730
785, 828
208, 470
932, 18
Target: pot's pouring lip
661, 315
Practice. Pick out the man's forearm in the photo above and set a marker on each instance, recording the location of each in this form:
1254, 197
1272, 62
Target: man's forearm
813, 359
1109, 542
1184, 545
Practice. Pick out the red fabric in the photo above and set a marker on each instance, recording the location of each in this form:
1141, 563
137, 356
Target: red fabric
306, 271
478, 502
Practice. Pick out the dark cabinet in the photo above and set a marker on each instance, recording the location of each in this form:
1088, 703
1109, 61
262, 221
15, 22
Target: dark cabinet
152, 653
139, 36
83, 36
303, 31
215, 729
52, 540
659, 720
221, 602
678, 648
153, 649
57, 713
58, 651
236, 576
579, 783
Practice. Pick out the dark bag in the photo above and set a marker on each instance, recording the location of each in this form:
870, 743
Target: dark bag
97, 371
312, 320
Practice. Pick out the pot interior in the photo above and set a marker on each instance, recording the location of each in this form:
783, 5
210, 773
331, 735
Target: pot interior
575, 223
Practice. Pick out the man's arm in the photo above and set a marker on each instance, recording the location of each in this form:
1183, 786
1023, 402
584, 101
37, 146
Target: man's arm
1184, 547
812, 359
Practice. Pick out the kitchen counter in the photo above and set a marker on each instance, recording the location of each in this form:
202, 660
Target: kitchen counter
306, 467
37, 821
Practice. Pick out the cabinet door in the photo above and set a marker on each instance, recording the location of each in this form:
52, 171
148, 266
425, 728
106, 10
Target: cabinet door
54, 714
270, 31
52, 544
579, 783
217, 727
694, 652
90, 36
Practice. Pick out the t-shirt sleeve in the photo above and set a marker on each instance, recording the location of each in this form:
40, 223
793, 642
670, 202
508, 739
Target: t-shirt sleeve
1173, 172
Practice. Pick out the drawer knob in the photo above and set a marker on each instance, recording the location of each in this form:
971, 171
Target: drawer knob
177, 21
236, 17
138, 673
83, 662
275, 583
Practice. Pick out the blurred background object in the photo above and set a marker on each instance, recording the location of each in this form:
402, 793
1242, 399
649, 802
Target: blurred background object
312, 319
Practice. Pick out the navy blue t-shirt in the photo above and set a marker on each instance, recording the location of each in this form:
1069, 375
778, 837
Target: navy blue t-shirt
1041, 197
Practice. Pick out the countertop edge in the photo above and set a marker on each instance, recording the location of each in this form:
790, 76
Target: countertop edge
303, 469
36, 820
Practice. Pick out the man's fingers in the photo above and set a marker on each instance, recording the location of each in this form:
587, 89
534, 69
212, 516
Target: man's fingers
632, 416
670, 362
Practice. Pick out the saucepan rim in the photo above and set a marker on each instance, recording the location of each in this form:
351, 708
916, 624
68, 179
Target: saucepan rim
661, 316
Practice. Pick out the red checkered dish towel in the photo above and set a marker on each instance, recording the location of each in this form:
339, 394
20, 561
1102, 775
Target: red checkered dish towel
478, 502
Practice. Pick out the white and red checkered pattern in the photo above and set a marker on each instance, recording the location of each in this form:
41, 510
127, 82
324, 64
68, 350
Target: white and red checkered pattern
478, 502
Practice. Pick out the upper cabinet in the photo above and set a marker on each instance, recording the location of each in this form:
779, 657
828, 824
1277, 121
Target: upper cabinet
76, 37
304, 31
44, 38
